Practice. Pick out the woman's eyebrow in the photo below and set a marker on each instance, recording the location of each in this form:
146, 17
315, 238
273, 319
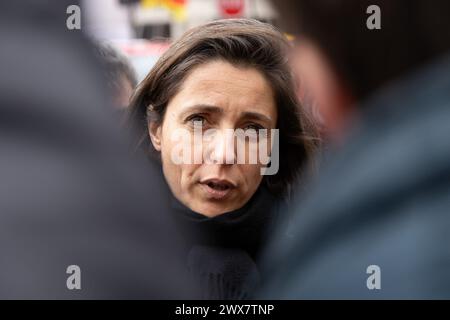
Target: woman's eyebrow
257, 116
203, 108
214, 109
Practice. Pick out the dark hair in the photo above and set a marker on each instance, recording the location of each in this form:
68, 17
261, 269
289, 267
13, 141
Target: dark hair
242, 42
116, 65
412, 32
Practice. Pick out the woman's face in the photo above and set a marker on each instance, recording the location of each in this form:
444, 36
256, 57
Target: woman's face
213, 99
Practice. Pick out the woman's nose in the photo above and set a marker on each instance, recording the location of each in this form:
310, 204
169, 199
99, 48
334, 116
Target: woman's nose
222, 147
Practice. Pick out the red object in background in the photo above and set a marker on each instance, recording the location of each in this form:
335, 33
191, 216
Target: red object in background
231, 8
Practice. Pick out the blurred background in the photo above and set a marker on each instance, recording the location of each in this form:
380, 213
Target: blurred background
143, 29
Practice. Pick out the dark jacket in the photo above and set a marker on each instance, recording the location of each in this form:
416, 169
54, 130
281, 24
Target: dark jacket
222, 252
384, 200
70, 194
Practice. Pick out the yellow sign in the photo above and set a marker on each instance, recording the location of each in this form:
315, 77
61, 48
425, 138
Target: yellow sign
176, 7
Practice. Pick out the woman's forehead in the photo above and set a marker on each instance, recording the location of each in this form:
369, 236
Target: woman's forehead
222, 76
227, 89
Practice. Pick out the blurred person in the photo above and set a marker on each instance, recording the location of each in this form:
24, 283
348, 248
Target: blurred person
120, 75
70, 194
227, 74
382, 198
308, 102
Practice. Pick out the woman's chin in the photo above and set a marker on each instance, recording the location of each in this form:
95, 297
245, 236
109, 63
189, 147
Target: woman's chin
211, 207
212, 202
210, 210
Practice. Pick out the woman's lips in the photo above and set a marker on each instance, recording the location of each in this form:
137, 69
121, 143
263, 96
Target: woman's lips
217, 189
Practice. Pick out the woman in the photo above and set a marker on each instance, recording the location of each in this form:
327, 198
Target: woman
225, 75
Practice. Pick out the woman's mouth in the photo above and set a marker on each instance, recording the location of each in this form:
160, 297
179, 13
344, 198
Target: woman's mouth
217, 189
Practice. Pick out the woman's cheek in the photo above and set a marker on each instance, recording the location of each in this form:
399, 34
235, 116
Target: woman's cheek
252, 177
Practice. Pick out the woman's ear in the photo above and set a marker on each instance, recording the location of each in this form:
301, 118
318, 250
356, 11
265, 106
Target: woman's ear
154, 131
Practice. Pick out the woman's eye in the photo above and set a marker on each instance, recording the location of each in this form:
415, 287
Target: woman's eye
255, 127
195, 119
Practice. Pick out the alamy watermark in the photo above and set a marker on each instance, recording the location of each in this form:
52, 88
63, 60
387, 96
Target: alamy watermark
73, 282
373, 22
230, 146
73, 21
374, 280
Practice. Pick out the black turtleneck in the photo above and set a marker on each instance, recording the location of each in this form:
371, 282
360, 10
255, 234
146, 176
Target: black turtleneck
222, 251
